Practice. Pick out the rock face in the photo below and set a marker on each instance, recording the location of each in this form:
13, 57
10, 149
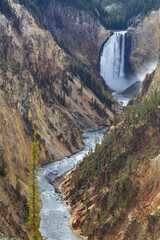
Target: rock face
79, 32
25, 54
114, 7
33, 73
122, 201
151, 84
2, 237
142, 44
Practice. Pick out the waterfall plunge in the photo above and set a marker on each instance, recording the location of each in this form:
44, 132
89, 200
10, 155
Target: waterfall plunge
112, 62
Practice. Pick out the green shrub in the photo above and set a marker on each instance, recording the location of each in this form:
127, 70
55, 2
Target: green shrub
2, 170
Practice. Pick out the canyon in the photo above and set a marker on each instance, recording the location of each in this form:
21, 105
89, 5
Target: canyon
34, 71
49, 81
114, 192
142, 47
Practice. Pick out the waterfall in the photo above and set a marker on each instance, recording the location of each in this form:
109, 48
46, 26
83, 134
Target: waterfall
112, 62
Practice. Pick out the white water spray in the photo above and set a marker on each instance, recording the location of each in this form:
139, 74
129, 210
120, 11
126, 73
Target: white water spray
112, 63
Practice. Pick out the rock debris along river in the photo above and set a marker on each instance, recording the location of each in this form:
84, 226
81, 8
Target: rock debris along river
54, 215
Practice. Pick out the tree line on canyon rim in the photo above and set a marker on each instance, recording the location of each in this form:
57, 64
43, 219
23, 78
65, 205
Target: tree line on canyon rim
116, 19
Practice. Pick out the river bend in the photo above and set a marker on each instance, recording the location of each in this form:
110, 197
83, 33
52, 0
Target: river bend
54, 215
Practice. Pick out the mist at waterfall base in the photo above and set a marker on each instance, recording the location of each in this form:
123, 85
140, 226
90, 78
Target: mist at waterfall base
112, 69
112, 62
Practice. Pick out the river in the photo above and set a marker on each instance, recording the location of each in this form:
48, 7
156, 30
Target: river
54, 215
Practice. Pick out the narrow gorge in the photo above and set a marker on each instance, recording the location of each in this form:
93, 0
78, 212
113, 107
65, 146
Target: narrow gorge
54, 214
64, 73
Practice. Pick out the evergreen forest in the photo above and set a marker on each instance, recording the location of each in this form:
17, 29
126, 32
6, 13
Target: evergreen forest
115, 19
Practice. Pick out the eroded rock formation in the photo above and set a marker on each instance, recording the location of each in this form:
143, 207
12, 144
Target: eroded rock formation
143, 44
34, 71
79, 32
122, 202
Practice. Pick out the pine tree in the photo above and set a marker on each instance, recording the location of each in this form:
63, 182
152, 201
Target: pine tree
33, 199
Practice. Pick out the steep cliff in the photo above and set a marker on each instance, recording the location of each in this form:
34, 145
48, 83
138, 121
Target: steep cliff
143, 44
38, 89
114, 192
77, 30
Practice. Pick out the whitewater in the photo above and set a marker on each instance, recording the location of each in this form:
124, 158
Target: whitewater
54, 215
112, 63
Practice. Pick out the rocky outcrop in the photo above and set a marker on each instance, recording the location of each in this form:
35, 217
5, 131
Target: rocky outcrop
77, 30
150, 84
142, 45
117, 6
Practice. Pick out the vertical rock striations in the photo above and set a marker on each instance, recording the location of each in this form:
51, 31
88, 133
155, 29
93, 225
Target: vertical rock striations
37, 90
114, 192
77, 30
143, 44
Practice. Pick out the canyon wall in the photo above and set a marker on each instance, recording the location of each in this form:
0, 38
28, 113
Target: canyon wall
77, 30
142, 45
37, 91
121, 201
